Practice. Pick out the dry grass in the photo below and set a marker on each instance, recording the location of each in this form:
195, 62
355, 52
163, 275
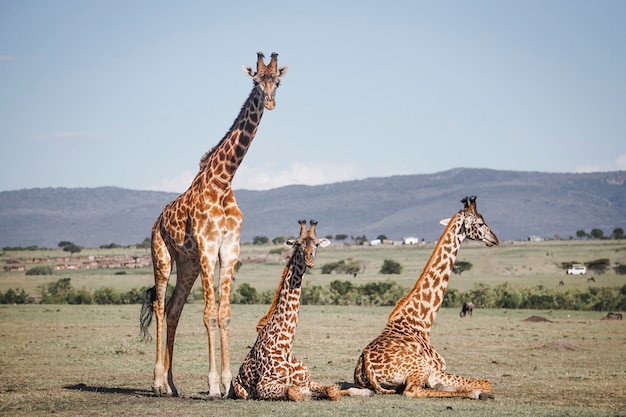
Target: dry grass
86, 360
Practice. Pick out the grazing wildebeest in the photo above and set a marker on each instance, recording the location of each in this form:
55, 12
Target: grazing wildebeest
591, 279
613, 316
467, 308
561, 283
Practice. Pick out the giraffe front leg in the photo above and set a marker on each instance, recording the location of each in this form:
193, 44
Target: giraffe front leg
228, 257
207, 261
213, 377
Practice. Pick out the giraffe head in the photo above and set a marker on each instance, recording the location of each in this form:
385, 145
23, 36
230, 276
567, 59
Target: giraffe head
471, 223
267, 77
308, 242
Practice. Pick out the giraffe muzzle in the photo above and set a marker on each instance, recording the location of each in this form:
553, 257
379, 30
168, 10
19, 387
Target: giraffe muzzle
492, 240
270, 103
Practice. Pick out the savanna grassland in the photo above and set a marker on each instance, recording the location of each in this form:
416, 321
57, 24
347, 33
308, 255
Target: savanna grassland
76, 360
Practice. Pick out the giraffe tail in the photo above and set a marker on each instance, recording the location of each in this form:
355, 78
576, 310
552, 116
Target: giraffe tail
147, 312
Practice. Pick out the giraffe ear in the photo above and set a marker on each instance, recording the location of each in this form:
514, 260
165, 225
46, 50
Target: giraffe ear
323, 242
248, 71
290, 243
281, 72
445, 221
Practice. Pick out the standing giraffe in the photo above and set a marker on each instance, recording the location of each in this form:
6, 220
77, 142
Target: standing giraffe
270, 371
401, 358
199, 228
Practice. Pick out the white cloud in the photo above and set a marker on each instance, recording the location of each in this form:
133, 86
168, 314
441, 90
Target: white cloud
269, 176
177, 184
619, 164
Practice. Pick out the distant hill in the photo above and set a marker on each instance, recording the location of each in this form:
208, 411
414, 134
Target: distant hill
515, 204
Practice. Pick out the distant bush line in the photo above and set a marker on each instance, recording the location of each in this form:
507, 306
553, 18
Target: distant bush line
385, 293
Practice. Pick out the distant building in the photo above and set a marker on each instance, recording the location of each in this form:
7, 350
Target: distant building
410, 240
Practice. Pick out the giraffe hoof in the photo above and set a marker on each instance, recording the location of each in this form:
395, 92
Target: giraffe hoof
163, 392
486, 396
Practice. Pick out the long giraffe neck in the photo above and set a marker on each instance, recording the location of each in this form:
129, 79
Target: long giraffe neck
419, 308
220, 163
283, 314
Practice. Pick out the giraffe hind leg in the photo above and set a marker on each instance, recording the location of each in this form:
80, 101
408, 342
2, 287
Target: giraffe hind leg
444, 381
271, 391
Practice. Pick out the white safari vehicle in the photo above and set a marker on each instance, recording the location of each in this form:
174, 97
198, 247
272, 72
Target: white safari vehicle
577, 269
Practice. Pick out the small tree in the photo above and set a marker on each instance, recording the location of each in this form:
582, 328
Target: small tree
146, 244
69, 247
581, 233
618, 233
341, 236
382, 237
390, 267
278, 240
597, 233
246, 294
260, 240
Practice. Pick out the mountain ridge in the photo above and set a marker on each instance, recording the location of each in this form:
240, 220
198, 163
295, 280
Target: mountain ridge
516, 204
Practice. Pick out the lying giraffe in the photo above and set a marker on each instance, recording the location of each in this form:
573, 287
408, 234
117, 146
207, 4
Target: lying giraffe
270, 371
401, 358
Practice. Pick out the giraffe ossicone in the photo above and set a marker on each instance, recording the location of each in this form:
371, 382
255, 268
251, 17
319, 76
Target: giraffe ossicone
401, 359
270, 371
199, 228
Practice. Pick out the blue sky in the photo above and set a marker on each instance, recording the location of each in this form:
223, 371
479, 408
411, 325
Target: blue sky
133, 93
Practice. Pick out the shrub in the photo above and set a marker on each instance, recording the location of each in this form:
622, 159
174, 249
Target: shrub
341, 267
390, 267
341, 287
40, 270
62, 292
599, 266
452, 298
12, 296
245, 294
107, 295
313, 294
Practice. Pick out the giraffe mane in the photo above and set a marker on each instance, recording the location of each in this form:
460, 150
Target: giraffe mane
234, 127
269, 313
404, 300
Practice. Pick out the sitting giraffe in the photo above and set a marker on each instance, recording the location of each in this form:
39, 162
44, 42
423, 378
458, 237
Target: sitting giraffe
401, 359
270, 371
